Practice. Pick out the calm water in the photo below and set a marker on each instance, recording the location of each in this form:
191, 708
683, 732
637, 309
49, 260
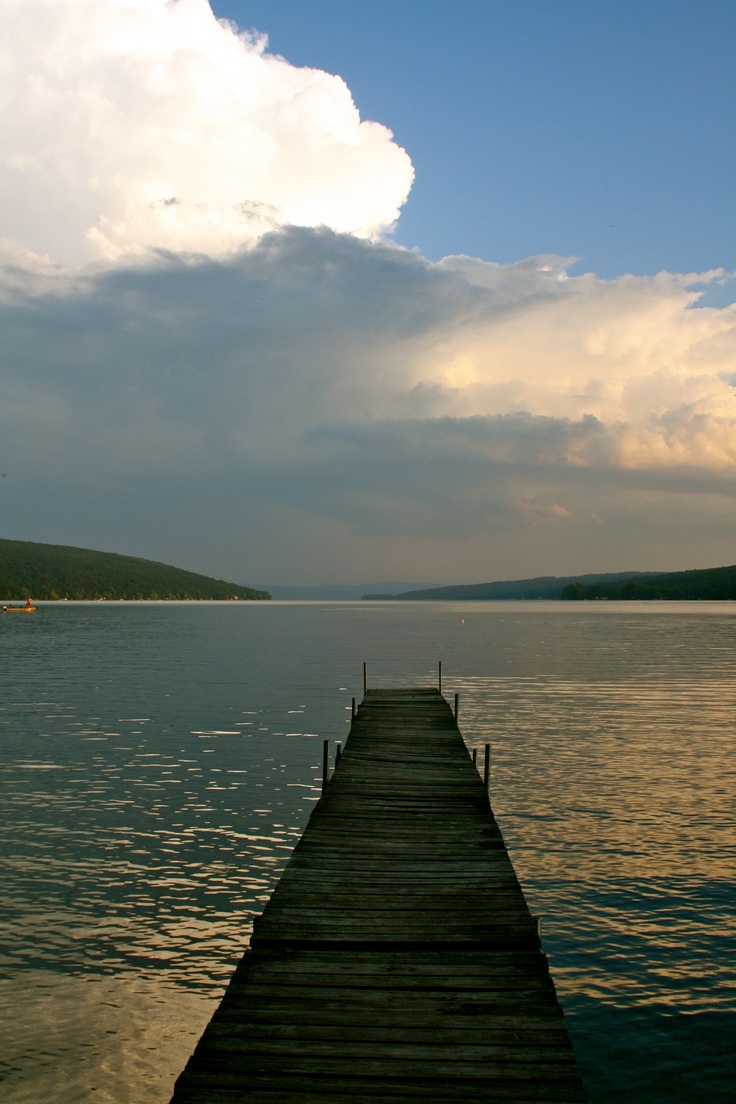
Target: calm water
158, 763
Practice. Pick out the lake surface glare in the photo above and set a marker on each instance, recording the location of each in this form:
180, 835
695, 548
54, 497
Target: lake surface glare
160, 760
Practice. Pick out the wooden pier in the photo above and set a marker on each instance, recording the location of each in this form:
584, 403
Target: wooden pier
397, 960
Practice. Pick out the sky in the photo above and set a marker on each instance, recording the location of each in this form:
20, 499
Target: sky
300, 292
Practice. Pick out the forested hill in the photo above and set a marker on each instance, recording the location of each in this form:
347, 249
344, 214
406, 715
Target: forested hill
545, 586
712, 583
716, 583
55, 571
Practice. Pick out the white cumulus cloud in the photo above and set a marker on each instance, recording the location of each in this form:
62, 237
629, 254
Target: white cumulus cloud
130, 124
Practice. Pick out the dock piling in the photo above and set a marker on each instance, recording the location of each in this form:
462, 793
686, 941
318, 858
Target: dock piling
325, 764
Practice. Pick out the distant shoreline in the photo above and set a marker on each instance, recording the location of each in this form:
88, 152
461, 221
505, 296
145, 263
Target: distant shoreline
717, 584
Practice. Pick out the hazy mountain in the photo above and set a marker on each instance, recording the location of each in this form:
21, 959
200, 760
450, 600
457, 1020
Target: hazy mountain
336, 592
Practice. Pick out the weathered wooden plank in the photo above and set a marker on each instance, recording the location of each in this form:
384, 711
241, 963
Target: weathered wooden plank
480, 895
297, 1093
501, 909
261, 1032
526, 999
434, 1083
399, 971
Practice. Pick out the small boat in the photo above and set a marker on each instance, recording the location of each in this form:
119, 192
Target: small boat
20, 609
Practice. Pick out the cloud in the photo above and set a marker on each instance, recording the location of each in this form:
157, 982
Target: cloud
331, 381
129, 124
211, 356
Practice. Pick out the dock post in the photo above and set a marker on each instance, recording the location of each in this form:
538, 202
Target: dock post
325, 764
487, 770
475, 758
352, 718
439, 678
338, 751
365, 679
457, 707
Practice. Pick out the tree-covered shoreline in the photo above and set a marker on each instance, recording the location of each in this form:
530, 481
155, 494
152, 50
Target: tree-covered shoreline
713, 583
706, 584
55, 572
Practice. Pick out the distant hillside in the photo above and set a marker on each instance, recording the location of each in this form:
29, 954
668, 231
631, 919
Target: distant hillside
55, 571
706, 584
717, 583
546, 586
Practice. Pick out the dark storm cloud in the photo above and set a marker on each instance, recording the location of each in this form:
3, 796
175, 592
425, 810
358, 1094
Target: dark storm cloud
361, 384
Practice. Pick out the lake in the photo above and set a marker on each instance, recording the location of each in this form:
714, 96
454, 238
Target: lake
160, 760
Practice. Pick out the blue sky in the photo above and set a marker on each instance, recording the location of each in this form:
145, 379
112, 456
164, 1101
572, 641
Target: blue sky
606, 130
437, 291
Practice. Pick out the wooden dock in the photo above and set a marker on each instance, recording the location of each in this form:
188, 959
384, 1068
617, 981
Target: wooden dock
396, 960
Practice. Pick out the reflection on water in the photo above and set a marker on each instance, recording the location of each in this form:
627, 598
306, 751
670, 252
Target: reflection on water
97, 1039
158, 764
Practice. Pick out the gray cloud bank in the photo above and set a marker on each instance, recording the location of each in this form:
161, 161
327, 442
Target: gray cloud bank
318, 406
